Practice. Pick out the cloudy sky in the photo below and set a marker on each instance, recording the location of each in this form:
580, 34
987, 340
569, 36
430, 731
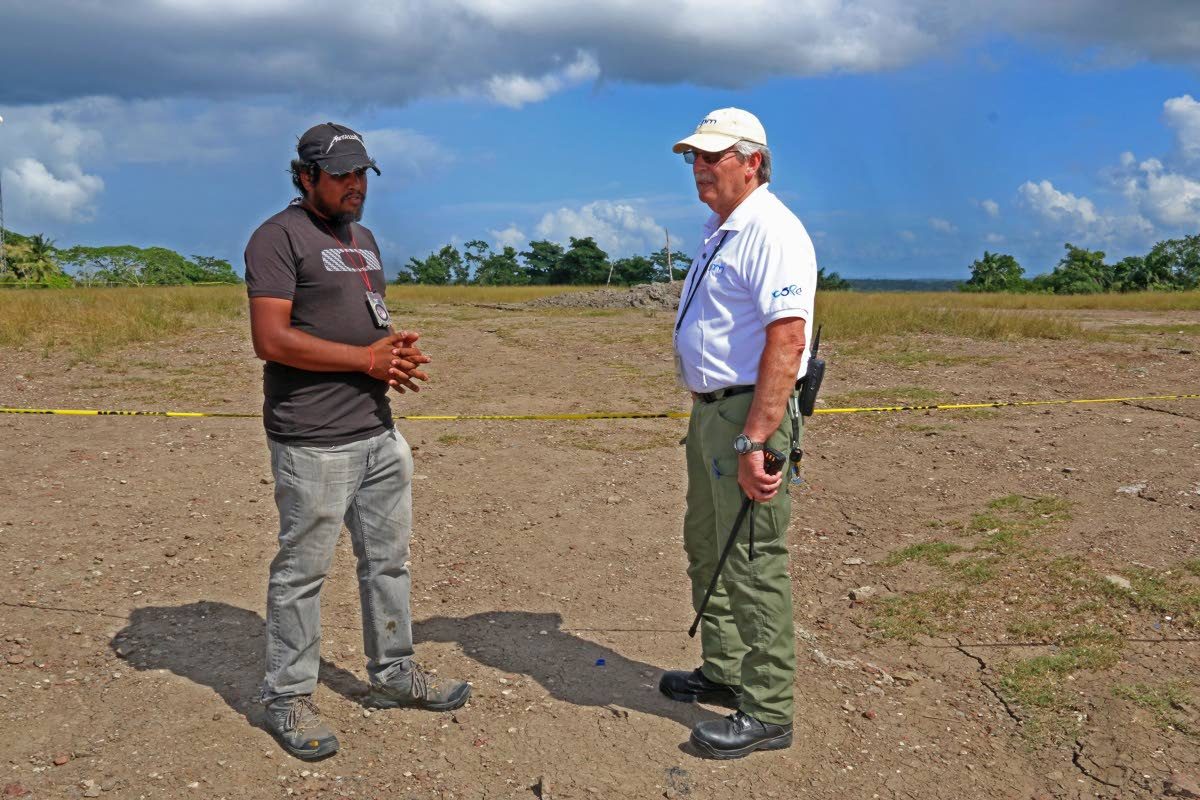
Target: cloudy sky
909, 135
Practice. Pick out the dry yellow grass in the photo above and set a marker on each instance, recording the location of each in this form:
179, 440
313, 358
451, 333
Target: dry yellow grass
89, 322
851, 315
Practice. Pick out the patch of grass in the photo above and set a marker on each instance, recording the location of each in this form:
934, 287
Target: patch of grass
1030, 628
1162, 701
1188, 329
1164, 594
1037, 683
1014, 518
1192, 566
974, 569
934, 552
905, 617
453, 439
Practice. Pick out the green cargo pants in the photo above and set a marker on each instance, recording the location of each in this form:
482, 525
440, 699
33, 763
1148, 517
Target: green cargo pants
746, 635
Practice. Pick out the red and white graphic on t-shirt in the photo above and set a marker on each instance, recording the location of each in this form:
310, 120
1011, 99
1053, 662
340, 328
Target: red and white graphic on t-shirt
350, 259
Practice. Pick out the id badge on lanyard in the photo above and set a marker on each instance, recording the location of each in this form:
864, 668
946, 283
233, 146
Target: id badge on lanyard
379, 311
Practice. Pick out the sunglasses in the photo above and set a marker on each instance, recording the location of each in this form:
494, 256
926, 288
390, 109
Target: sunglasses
690, 156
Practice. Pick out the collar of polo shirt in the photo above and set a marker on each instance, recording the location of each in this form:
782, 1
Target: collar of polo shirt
745, 209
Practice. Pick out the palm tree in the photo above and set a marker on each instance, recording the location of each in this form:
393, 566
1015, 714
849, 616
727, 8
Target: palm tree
41, 265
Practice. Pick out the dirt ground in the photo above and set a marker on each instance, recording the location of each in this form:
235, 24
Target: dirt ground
549, 571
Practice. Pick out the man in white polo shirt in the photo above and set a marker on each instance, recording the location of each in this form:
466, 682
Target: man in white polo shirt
741, 341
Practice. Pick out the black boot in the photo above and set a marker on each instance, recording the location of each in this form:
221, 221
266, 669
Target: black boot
739, 735
694, 687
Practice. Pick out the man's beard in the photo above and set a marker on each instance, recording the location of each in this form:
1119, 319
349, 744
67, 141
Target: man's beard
344, 218
349, 216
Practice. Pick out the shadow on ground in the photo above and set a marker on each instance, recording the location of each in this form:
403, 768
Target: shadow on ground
571, 669
215, 645
221, 646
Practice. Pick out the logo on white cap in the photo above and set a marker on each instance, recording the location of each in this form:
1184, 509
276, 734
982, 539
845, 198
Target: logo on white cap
724, 128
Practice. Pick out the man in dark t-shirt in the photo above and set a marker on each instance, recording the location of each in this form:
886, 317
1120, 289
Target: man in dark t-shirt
318, 320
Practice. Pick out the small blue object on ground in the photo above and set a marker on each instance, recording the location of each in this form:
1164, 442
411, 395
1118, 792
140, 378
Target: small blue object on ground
599, 662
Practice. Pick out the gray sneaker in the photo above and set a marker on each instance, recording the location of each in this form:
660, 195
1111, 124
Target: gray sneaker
296, 723
421, 690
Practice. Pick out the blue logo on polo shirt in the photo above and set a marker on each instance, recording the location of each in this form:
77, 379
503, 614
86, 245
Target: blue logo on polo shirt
786, 291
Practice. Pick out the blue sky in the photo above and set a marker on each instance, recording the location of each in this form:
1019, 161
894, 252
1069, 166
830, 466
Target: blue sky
907, 136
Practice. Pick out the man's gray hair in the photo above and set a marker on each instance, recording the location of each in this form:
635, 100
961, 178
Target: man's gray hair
746, 149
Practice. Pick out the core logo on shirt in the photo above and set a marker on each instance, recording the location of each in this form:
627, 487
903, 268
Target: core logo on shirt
350, 259
786, 291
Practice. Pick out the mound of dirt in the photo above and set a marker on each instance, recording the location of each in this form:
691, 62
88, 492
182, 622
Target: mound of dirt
655, 296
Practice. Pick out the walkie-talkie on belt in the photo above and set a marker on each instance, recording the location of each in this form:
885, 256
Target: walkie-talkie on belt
803, 403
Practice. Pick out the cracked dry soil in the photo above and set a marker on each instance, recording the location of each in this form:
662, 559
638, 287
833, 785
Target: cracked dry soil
548, 570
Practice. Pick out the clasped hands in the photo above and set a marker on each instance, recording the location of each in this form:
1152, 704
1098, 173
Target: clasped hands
398, 360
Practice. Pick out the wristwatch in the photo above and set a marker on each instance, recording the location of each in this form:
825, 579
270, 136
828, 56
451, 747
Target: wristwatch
743, 444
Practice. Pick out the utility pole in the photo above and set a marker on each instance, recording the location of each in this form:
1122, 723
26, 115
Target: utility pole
670, 269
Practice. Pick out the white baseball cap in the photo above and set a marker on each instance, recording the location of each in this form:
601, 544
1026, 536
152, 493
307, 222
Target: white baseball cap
722, 129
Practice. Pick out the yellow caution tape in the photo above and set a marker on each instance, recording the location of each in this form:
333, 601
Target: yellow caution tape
83, 412
1006, 404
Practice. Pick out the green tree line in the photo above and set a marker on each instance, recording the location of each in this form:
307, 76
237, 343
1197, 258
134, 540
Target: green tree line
548, 263
1171, 265
36, 261
545, 263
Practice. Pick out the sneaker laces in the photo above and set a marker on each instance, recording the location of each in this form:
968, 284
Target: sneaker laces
302, 714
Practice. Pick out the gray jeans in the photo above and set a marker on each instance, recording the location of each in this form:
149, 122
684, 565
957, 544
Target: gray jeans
368, 485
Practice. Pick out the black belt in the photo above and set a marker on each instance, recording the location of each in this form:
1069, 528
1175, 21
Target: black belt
721, 394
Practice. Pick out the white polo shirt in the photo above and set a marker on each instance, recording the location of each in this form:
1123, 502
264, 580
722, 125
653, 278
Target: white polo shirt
765, 270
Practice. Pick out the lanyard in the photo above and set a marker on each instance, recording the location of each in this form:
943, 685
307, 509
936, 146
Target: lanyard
352, 248
696, 282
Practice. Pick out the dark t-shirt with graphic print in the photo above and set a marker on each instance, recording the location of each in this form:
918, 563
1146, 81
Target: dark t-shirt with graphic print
294, 256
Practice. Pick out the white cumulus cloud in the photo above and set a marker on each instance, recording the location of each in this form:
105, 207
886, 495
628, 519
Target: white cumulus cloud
1183, 114
515, 90
942, 225
1078, 215
1168, 198
66, 197
70, 141
1054, 205
512, 236
618, 228
991, 208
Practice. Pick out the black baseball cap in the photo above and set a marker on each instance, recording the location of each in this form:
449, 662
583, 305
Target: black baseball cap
335, 149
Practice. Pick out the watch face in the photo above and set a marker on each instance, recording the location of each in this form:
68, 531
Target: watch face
742, 444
